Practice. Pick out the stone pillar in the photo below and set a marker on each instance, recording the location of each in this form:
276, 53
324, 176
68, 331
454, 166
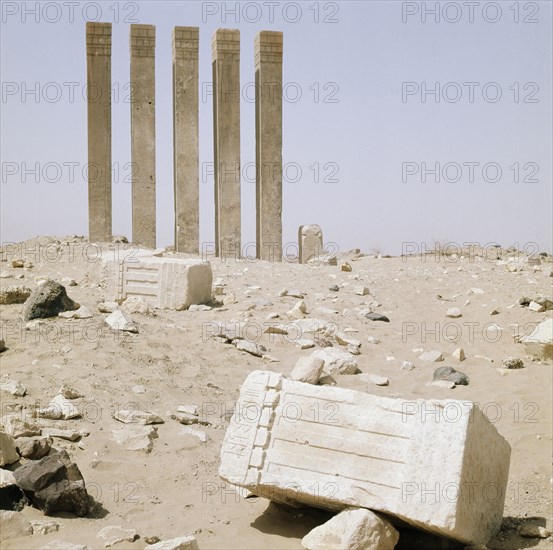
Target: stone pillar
185, 139
268, 150
98, 58
143, 134
225, 45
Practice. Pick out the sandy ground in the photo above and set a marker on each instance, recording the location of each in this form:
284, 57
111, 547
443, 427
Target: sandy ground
175, 490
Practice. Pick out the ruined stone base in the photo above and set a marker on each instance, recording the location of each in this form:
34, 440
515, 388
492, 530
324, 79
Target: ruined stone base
438, 465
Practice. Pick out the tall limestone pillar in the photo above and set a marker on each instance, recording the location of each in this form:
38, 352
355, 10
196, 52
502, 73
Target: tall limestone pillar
143, 134
98, 63
268, 138
186, 161
225, 47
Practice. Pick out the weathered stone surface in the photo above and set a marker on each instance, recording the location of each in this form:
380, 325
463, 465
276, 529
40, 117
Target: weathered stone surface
373, 452
188, 542
45, 527
307, 369
119, 320
59, 408
250, 347
135, 437
33, 448
352, 529
8, 452
131, 416
336, 361
186, 161
268, 137
13, 388
432, 356
114, 534
540, 342
165, 283
15, 426
47, 300
451, 375
14, 294
225, 49
54, 484
14, 524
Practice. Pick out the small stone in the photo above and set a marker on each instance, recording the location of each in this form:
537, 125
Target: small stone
454, 313
114, 534
198, 434
442, 384
68, 281
534, 531
298, 311
334, 288
433, 356
136, 304
475, 291
62, 545
107, 307
14, 294
375, 379
82, 313
13, 388
8, 452
69, 435
45, 527
494, 312
199, 307
451, 375
68, 392
459, 354
250, 347
361, 291
139, 388
337, 361
119, 320
15, 426
373, 340
345, 267
307, 369
131, 416
534, 306
304, 343
189, 409
187, 542
407, 365
58, 408
135, 437
353, 529
373, 316
18, 263
276, 329
229, 299
513, 363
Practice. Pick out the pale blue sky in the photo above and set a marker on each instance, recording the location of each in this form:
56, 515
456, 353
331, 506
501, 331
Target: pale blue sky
362, 61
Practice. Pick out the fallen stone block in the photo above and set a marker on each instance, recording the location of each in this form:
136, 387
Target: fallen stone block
47, 300
165, 283
336, 361
135, 437
335, 448
45, 527
353, 529
8, 453
13, 388
307, 369
33, 448
119, 320
114, 534
132, 416
54, 484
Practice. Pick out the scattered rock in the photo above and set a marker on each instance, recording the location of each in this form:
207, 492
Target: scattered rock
276, 329
82, 313
513, 363
308, 369
131, 416
14, 524
373, 340
69, 435
33, 448
59, 408
533, 531
540, 342
13, 388
119, 320
136, 304
334, 288
8, 452
494, 312
250, 347
45, 527
304, 343
114, 534
54, 484
375, 379
68, 281
433, 356
14, 294
198, 434
107, 307
47, 300
187, 542
18, 263
229, 299
454, 313
459, 354
345, 267
135, 437
361, 290
450, 375
298, 311
68, 392
337, 361
15, 426
407, 365
62, 545
373, 316
534, 306
442, 384
353, 529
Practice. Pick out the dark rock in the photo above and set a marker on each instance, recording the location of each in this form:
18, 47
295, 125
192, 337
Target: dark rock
524, 301
11, 497
372, 316
33, 448
47, 300
451, 375
334, 288
54, 484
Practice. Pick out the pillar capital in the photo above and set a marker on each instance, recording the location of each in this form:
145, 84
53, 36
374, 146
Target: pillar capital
268, 47
186, 43
143, 40
225, 45
98, 38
